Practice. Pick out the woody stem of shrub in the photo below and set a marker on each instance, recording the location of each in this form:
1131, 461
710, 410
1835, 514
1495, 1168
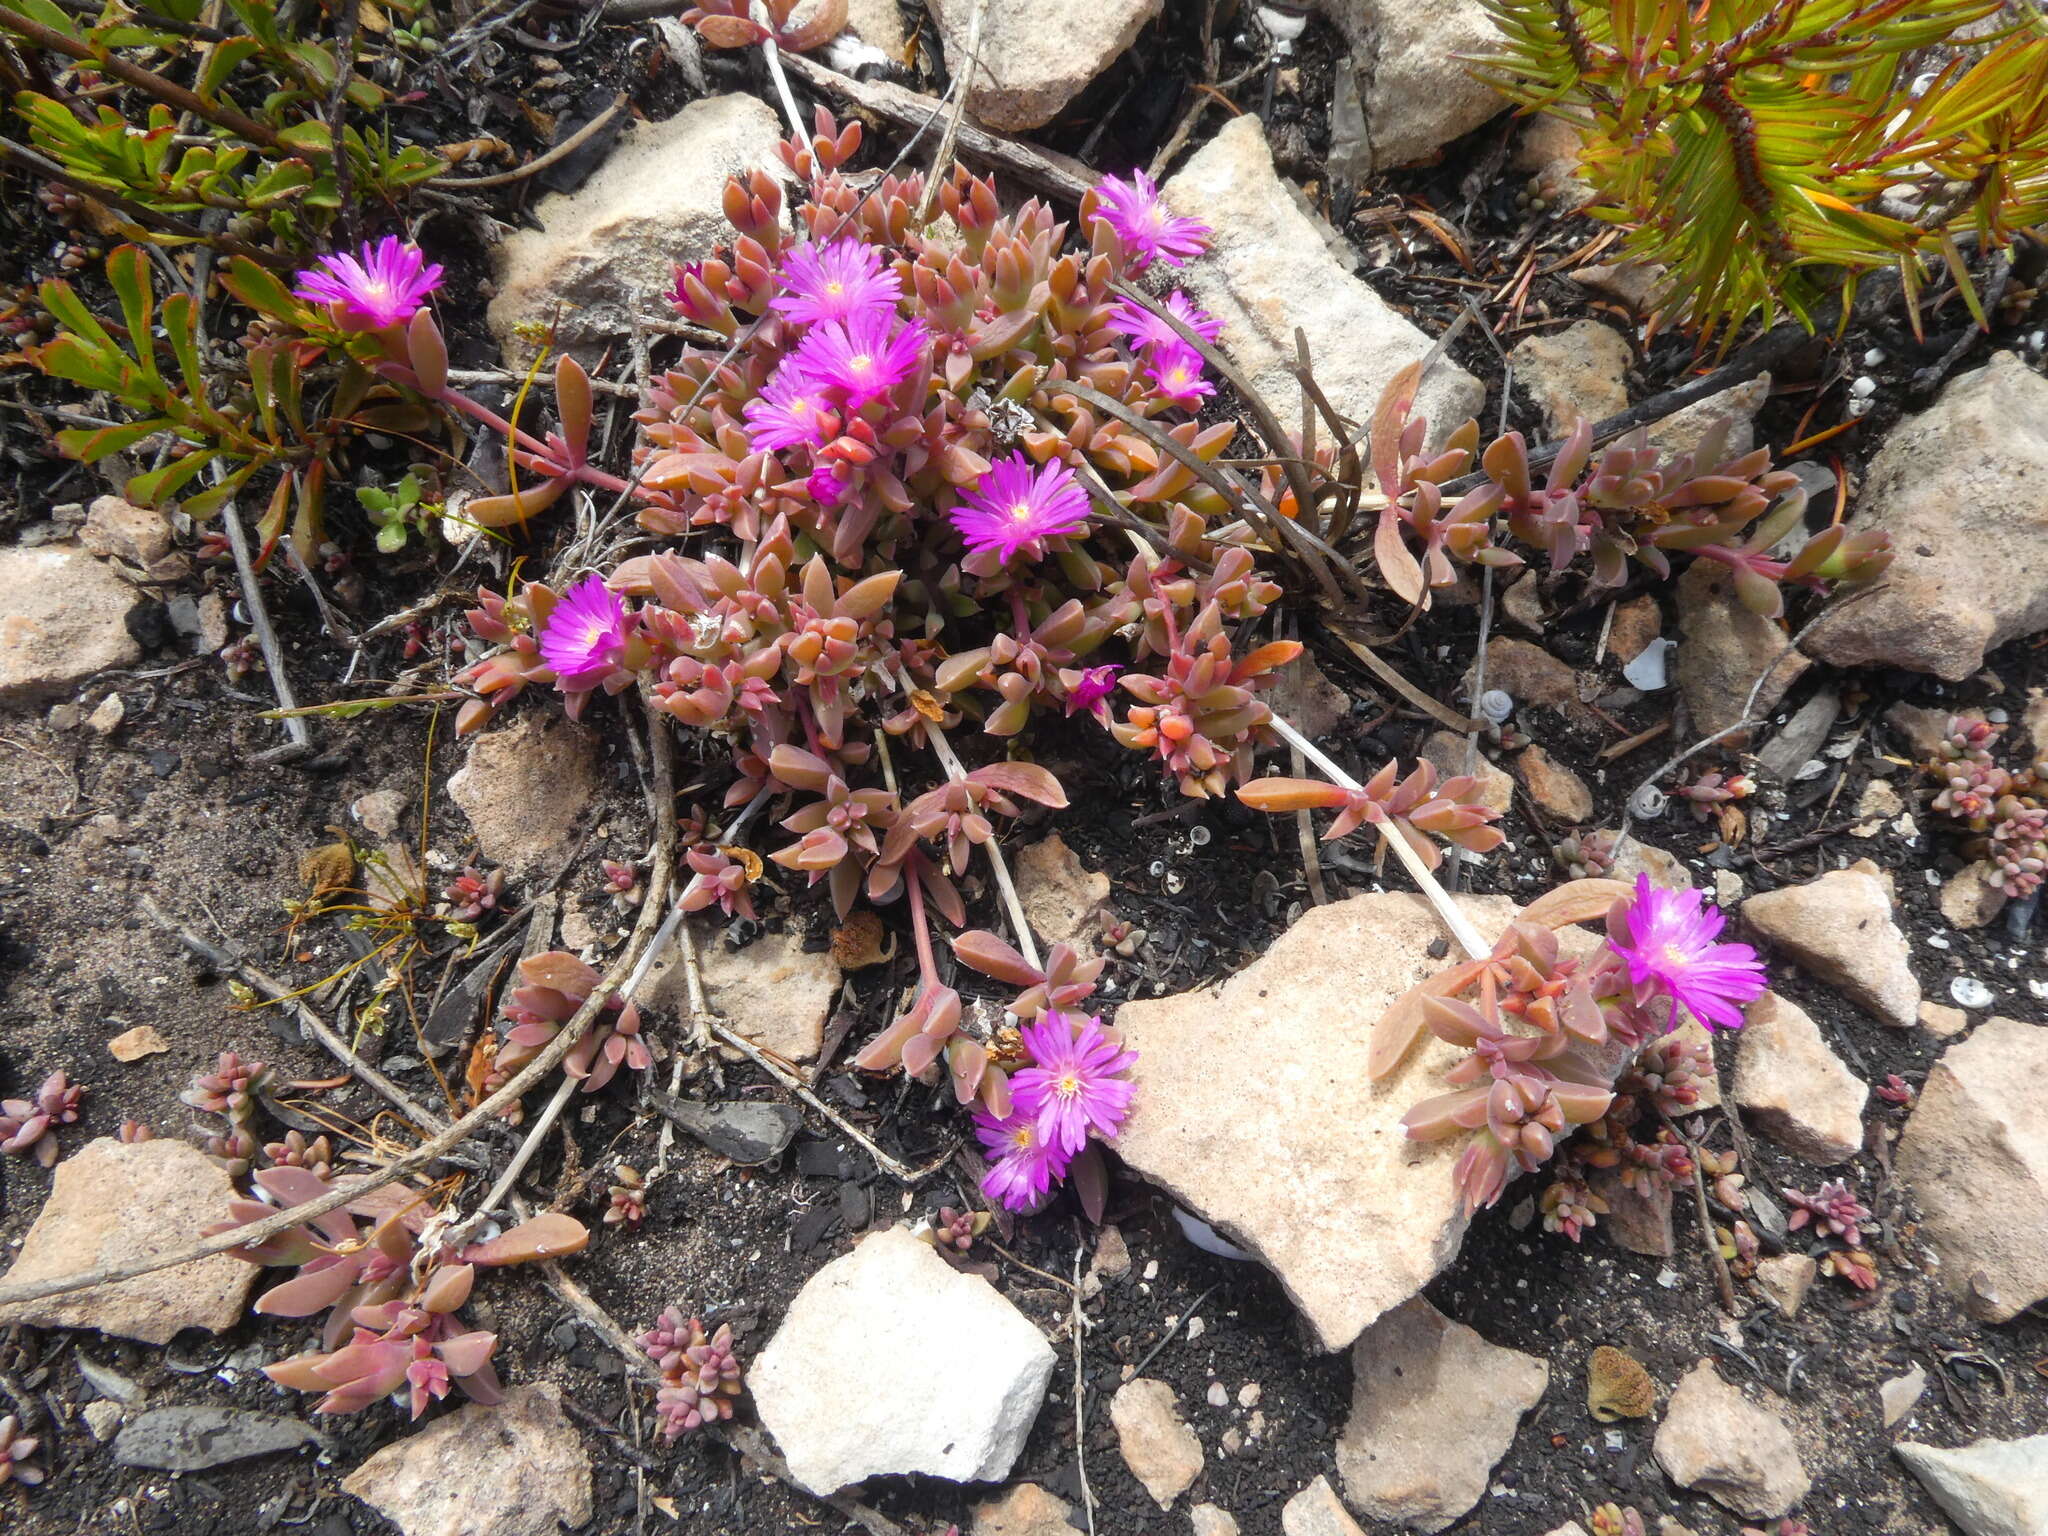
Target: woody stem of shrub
1446, 904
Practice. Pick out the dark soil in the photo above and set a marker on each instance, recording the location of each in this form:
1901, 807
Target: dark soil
174, 806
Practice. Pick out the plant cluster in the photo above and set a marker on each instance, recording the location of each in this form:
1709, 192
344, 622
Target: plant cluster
235, 1090
30, 1125
16, 1447
392, 1291
1834, 1212
1557, 1044
1768, 152
700, 1374
2006, 811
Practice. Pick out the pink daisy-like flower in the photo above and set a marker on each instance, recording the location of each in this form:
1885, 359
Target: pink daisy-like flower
791, 412
1147, 329
584, 634
383, 287
840, 281
1022, 1166
1175, 370
1015, 507
1090, 690
1671, 945
864, 357
1073, 1085
1132, 208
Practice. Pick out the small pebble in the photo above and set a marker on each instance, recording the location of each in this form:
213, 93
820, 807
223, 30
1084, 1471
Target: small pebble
1970, 992
1873, 357
1249, 1394
1219, 1395
1864, 387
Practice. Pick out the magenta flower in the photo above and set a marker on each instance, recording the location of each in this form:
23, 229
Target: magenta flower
791, 412
1671, 946
1014, 508
864, 357
840, 281
1073, 1085
1090, 690
1147, 329
1132, 208
584, 634
384, 287
1022, 1167
1175, 370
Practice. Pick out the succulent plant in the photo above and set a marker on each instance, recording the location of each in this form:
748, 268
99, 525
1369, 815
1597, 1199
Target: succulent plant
554, 986
953, 1232
626, 1198
30, 1125
234, 1090
1833, 1210
473, 893
16, 1448
700, 1373
2006, 808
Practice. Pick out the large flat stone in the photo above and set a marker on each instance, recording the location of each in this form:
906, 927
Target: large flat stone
772, 991
1269, 271
1989, 1488
514, 1469
890, 1361
1975, 1155
63, 617
523, 789
1840, 929
114, 1202
1036, 55
1962, 488
608, 250
1255, 1111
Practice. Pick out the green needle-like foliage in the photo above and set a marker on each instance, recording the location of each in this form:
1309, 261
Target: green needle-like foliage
1744, 144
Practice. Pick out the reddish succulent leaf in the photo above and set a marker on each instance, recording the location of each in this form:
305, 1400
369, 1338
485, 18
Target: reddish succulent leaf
1292, 795
991, 956
1388, 418
1026, 779
550, 1235
1576, 901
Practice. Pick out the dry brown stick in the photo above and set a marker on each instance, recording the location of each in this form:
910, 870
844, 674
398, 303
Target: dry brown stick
542, 161
1064, 178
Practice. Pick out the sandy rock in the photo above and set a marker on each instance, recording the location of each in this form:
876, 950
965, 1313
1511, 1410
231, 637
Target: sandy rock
1354, 1217
1062, 897
107, 715
1878, 804
517, 1469
1636, 623
1554, 787
1839, 929
609, 249
116, 1201
523, 788
1025, 1510
1317, 1511
878, 23
1920, 730
1797, 1091
1531, 676
1681, 431
1897, 1396
1416, 93
1433, 1407
1445, 751
1969, 899
381, 810
1111, 1261
1208, 1520
1715, 1441
1977, 1144
1037, 55
1549, 147
1958, 488
134, 1044
1308, 700
1581, 370
1941, 1019
63, 617
1637, 284
1723, 647
772, 991
1990, 1487
847, 1388
1161, 1451
116, 528
102, 1418
1786, 1278
1636, 857
1268, 271
1637, 1220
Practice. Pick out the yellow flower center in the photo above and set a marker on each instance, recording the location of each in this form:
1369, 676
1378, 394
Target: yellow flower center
1021, 512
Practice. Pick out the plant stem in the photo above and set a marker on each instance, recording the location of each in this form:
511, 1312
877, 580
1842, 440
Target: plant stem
1445, 903
166, 91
